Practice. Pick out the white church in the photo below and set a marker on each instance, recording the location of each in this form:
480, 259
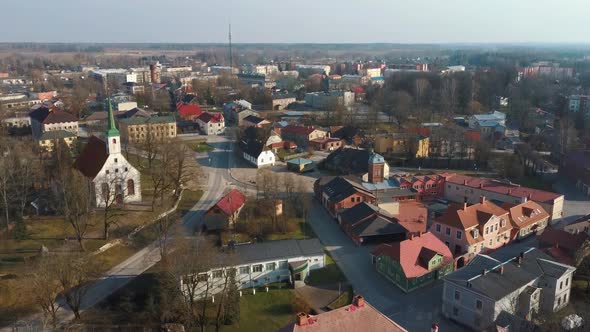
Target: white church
114, 179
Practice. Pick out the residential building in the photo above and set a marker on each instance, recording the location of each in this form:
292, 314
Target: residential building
19, 120
254, 121
307, 70
323, 100
575, 166
414, 145
260, 69
388, 221
211, 123
300, 165
256, 153
302, 135
189, 112
326, 144
462, 188
579, 103
139, 129
348, 161
236, 111
280, 101
225, 212
113, 178
257, 80
470, 230
426, 186
44, 119
480, 119
415, 262
526, 284
50, 139
567, 248
358, 316
262, 263
548, 69
527, 218
371, 72
339, 193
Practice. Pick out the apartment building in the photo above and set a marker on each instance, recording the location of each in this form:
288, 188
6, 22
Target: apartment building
138, 129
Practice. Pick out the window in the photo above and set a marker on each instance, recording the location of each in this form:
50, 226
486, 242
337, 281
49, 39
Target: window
448, 231
496, 228
270, 266
564, 298
358, 199
560, 285
459, 235
116, 170
567, 281
437, 227
116, 160
475, 233
126, 169
114, 141
130, 187
105, 190
487, 231
559, 301
244, 269
352, 199
457, 295
491, 241
217, 274
478, 304
447, 244
107, 171
202, 277
257, 268
503, 221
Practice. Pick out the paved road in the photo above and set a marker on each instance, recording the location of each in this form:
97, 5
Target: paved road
217, 181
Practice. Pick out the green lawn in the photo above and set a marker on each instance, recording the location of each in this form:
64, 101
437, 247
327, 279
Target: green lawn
344, 299
331, 273
199, 146
301, 231
264, 311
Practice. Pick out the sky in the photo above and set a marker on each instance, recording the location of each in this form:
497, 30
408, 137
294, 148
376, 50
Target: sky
301, 21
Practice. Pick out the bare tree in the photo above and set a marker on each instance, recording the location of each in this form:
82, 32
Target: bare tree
114, 190
45, 288
76, 204
75, 271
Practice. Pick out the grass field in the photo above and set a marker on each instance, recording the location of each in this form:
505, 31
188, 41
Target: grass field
199, 146
331, 273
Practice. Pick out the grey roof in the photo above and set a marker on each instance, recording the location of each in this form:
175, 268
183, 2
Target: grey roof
535, 264
375, 221
515, 323
340, 188
275, 250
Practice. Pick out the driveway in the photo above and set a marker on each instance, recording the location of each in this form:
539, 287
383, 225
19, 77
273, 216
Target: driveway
415, 311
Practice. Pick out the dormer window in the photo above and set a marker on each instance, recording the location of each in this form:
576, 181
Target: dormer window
475, 233
503, 222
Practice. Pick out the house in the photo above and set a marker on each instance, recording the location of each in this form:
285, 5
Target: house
326, 144
462, 188
470, 230
338, 193
411, 144
189, 112
426, 186
347, 161
263, 263
225, 212
50, 118
236, 111
256, 153
358, 316
526, 284
50, 139
565, 247
575, 166
366, 223
300, 165
327, 99
487, 124
211, 123
139, 129
254, 121
413, 263
282, 100
302, 135
113, 178
526, 218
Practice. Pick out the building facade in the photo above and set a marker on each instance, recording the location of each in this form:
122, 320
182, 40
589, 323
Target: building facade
211, 123
139, 129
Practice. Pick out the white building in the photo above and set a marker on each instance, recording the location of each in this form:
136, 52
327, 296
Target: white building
323, 99
257, 154
211, 123
260, 69
306, 70
44, 119
263, 263
114, 179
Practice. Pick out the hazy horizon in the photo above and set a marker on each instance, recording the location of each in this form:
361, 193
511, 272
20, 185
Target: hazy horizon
302, 22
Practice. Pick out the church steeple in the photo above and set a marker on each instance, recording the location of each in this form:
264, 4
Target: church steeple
113, 137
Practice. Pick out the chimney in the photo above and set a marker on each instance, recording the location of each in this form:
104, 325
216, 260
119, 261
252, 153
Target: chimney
302, 319
520, 258
530, 196
484, 272
465, 206
481, 186
482, 199
358, 301
509, 191
501, 270
464, 182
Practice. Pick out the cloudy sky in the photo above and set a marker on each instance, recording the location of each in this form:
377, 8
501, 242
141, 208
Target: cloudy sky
289, 21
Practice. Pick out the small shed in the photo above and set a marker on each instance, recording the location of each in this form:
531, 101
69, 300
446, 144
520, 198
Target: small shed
300, 165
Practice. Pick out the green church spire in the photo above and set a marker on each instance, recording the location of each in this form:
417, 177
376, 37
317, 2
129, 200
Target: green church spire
112, 130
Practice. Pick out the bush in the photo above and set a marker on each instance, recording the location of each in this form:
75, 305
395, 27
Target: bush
20, 230
299, 304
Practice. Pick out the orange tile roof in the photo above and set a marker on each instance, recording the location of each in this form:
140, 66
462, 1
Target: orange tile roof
526, 214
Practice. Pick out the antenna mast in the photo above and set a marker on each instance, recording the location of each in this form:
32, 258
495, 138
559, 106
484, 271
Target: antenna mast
231, 63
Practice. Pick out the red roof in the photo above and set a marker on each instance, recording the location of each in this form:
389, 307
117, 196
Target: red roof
92, 158
298, 130
358, 89
472, 135
511, 189
568, 241
420, 131
232, 202
188, 110
412, 216
560, 255
211, 117
408, 253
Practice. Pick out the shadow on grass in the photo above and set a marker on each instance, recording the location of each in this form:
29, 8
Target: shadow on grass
279, 309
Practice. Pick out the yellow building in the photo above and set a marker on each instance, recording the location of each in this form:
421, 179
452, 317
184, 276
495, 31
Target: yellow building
136, 130
402, 143
50, 139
